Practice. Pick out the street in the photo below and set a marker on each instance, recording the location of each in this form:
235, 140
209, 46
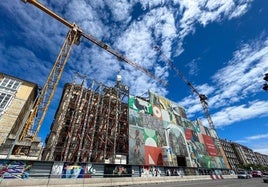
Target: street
254, 182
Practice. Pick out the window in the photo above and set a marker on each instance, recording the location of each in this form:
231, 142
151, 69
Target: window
10, 83
4, 101
8, 88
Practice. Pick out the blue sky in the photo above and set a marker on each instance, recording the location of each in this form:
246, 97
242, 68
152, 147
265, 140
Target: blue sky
219, 46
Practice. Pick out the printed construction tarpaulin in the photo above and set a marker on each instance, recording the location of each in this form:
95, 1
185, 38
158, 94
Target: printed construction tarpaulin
158, 125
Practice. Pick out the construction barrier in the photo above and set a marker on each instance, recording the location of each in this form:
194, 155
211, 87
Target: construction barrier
43, 173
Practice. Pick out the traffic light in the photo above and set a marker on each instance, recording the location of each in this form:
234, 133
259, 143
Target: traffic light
265, 86
265, 77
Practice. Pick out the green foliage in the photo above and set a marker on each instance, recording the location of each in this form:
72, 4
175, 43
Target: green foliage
253, 167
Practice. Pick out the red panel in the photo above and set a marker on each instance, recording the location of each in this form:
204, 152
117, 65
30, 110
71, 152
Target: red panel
153, 156
210, 146
188, 134
157, 112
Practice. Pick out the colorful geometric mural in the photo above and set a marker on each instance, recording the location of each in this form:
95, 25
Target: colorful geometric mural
76, 170
112, 170
177, 140
161, 135
153, 156
153, 153
57, 168
71, 170
15, 169
165, 109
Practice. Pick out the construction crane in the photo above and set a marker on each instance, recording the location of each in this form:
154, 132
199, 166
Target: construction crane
40, 108
202, 97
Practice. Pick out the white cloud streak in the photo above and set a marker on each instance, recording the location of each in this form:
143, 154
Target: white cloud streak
113, 21
229, 115
206, 11
237, 81
256, 137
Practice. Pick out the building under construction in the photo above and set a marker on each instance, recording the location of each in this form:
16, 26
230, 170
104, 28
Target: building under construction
90, 125
104, 124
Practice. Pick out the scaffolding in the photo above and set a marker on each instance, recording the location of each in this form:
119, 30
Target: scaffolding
90, 125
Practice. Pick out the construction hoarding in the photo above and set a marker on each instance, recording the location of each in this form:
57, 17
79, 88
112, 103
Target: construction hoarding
160, 134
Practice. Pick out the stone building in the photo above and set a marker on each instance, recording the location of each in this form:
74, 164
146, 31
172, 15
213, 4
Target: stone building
244, 154
230, 154
17, 97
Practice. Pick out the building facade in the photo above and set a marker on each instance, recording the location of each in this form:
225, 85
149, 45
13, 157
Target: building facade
244, 154
262, 159
239, 155
230, 154
16, 100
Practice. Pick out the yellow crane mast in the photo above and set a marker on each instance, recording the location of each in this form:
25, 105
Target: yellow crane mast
40, 108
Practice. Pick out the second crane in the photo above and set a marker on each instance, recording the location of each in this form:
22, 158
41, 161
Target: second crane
202, 97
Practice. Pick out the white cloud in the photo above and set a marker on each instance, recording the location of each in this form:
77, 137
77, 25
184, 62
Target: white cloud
242, 76
256, 137
239, 80
87, 18
261, 149
148, 4
121, 10
138, 42
240, 10
206, 11
193, 67
242, 112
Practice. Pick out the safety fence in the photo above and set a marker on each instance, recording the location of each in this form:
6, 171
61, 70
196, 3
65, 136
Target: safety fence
25, 169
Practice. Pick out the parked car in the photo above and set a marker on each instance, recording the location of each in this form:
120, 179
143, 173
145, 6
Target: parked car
256, 173
243, 174
265, 174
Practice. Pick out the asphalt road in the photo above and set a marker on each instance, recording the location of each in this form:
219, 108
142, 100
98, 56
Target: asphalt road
254, 182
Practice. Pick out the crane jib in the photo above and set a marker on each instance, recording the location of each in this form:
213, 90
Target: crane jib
73, 37
94, 40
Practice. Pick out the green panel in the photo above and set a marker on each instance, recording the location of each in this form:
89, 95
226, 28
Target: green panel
150, 137
140, 105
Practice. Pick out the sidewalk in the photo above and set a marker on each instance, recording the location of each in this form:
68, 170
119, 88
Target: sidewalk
102, 181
